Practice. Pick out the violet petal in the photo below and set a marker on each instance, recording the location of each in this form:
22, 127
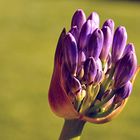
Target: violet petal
78, 19
90, 70
125, 69
70, 53
84, 35
95, 44
119, 42
110, 23
107, 43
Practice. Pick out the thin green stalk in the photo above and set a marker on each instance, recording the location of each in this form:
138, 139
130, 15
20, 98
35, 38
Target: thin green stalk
104, 114
93, 108
72, 130
106, 84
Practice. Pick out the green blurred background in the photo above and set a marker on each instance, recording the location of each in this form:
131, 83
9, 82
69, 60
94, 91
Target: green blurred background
29, 30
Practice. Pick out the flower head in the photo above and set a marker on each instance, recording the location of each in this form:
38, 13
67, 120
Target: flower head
93, 70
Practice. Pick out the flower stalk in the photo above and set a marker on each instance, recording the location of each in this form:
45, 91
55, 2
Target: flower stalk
72, 129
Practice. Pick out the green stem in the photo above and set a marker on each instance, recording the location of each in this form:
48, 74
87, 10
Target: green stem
106, 84
102, 102
104, 114
72, 129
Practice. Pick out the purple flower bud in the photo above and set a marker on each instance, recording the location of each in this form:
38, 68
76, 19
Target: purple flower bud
74, 85
84, 35
119, 42
74, 31
99, 73
78, 19
110, 23
125, 69
94, 17
107, 43
84, 64
129, 47
80, 72
123, 92
59, 48
95, 44
90, 70
70, 53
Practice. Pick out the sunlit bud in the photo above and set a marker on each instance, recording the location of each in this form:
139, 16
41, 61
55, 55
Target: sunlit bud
119, 42
78, 19
94, 17
110, 23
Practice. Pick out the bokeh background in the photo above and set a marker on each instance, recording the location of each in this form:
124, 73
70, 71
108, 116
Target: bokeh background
29, 30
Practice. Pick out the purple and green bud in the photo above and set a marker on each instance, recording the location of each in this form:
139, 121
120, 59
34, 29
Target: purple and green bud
123, 92
95, 44
119, 42
90, 61
74, 85
90, 70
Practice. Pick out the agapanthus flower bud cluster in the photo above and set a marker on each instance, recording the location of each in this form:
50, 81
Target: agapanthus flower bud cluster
93, 70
